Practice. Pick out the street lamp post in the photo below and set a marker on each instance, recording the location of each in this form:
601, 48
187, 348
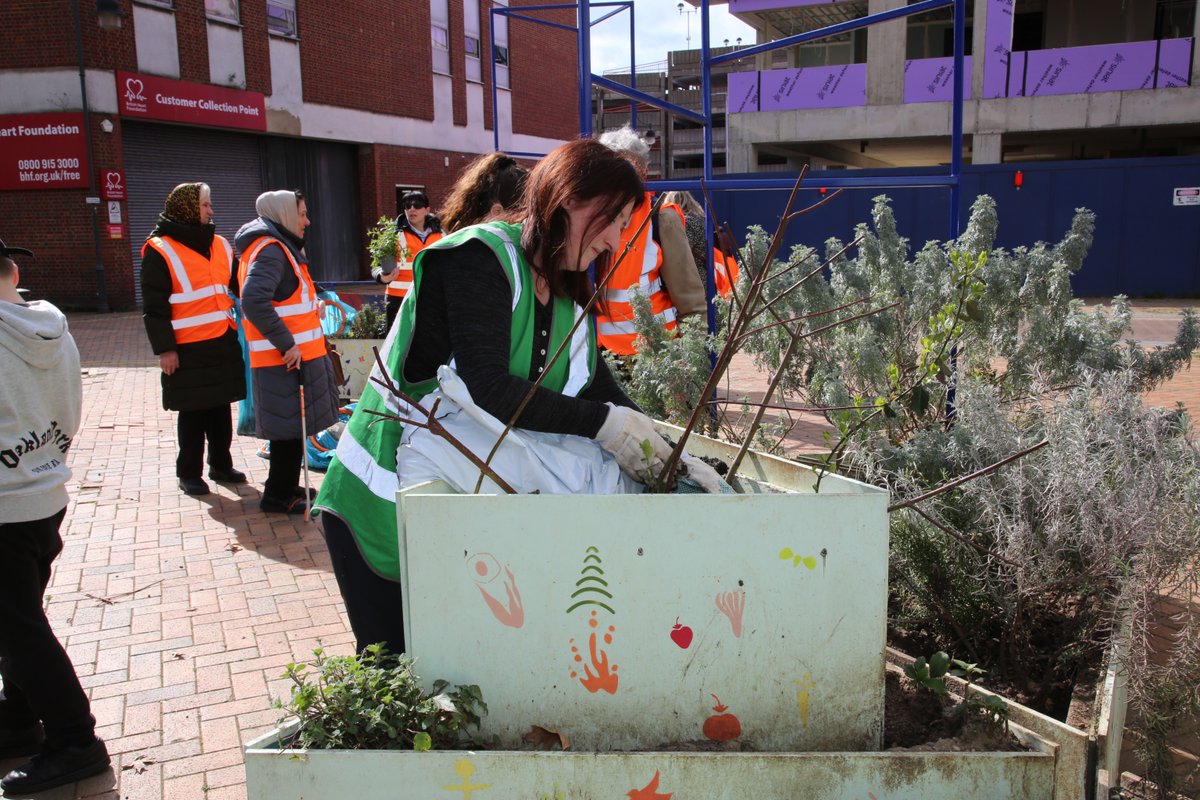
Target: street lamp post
687, 15
109, 13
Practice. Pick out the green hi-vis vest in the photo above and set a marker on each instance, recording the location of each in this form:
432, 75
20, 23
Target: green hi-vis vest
360, 484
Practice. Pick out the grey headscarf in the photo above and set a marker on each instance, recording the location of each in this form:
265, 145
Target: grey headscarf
282, 208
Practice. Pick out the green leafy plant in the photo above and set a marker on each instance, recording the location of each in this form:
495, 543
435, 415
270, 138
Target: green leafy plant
931, 672
374, 700
369, 323
382, 241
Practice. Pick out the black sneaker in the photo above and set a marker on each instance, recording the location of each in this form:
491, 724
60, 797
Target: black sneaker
229, 475
18, 742
196, 487
289, 505
56, 767
312, 493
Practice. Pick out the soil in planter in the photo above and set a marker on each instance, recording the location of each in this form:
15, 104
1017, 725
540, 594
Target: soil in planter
917, 719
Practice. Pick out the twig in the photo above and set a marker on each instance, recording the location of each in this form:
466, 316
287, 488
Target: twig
960, 481
108, 601
432, 425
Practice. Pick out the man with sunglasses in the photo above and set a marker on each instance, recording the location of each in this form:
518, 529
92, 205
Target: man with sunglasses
416, 227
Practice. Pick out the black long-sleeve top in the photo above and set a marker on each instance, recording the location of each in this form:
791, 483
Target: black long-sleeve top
464, 313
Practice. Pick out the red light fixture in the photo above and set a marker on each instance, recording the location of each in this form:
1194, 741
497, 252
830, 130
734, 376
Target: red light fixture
1018, 180
823, 190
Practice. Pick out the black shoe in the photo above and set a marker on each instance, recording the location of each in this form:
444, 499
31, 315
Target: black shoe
289, 505
227, 475
312, 493
18, 742
193, 486
56, 767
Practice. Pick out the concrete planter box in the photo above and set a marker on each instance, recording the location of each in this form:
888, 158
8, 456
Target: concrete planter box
615, 619
357, 362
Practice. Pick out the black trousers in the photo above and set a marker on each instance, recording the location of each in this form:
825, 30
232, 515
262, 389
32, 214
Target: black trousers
392, 308
283, 476
373, 604
194, 427
39, 679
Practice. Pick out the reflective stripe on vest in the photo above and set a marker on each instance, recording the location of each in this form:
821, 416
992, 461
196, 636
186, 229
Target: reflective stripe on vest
298, 312
201, 306
361, 482
404, 279
640, 270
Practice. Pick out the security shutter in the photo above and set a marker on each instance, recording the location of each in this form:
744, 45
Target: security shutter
160, 157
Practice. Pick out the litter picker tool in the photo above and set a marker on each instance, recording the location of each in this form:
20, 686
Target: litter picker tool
304, 447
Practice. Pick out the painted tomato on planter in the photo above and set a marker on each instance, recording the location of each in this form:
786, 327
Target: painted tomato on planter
722, 727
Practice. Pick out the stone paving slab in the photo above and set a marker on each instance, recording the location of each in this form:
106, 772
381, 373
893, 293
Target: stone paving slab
180, 613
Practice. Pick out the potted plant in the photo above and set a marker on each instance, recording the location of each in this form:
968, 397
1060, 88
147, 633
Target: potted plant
382, 243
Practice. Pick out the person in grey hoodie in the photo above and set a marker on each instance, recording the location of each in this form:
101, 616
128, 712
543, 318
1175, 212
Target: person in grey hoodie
43, 709
283, 333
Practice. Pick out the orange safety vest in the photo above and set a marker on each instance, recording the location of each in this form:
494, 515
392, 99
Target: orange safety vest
298, 312
725, 270
640, 270
201, 307
404, 280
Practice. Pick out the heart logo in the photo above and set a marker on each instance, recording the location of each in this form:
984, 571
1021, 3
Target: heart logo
112, 181
133, 89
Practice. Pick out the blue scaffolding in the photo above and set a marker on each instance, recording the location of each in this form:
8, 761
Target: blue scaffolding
588, 79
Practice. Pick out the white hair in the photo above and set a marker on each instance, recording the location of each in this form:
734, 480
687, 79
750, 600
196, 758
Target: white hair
628, 141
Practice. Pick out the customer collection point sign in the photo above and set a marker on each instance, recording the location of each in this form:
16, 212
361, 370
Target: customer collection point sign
152, 97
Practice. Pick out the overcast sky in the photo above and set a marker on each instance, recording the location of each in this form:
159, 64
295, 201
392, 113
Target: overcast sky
659, 28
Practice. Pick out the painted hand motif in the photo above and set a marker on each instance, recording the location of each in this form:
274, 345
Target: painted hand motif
733, 605
511, 614
603, 678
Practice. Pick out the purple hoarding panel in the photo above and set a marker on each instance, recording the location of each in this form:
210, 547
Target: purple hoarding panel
1097, 68
1016, 75
743, 92
813, 87
1174, 62
929, 80
998, 46
738, 6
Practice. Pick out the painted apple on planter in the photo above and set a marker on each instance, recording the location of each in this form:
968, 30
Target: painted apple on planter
722, 727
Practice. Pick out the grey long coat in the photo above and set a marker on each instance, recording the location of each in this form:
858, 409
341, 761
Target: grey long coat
277, 389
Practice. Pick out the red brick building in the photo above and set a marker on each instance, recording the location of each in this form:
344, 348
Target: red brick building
351, 103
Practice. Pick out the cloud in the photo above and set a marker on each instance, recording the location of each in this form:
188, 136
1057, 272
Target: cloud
659, 28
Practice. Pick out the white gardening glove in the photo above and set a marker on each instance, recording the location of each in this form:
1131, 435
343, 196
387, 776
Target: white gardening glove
622, 435
699, 471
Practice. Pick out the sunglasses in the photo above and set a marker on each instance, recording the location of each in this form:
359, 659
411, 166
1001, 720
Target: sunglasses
415, 204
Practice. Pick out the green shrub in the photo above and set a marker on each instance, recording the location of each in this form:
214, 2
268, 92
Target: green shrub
374, 701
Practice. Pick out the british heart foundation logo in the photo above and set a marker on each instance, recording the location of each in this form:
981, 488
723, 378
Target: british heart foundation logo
135, 98
113, 182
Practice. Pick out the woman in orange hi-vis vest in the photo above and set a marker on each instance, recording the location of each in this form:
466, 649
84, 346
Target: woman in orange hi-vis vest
416, 228
285, 341
187, 303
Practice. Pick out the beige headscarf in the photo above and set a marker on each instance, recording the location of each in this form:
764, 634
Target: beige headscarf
281, 208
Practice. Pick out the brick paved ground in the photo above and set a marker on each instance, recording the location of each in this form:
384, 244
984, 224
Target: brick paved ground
180, 613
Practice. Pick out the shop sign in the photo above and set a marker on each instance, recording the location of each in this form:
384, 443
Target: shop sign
112, 184
43, 151
152, 97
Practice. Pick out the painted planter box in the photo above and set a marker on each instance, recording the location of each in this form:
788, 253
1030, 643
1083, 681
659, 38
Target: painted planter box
357, 361
279, 774
621, 619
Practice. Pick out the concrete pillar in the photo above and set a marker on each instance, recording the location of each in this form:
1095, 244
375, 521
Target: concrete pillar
985, 148
978, 47
886, 43
1195, 53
